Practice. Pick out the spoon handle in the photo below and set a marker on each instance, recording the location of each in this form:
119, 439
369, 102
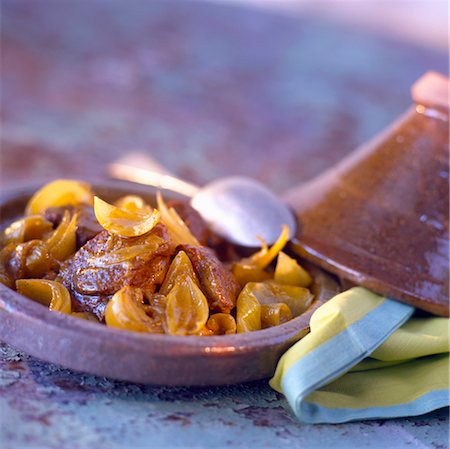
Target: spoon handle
142, 169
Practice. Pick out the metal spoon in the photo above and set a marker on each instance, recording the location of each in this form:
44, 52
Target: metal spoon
237, 208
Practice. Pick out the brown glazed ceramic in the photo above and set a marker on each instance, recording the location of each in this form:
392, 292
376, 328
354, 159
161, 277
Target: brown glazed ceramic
144, 358
380, 218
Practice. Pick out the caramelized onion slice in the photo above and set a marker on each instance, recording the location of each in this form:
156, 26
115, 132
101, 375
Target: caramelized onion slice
251, 269
49, 293
63, 242
133, 203
123, 221
247, 272
248, 312
268, 292
28, 228
62, 192
263, 257
222, 324
126, 253
125, 310
275, 314
30, 259
187, 308
288, 271
180, 267
178, 229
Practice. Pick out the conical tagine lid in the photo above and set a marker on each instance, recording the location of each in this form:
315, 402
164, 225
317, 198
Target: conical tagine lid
380, 217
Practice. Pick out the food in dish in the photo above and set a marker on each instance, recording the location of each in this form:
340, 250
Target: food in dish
146, 269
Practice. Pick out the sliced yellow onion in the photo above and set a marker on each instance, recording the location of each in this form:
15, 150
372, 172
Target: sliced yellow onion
248, 312
180, 267
187, 308
222, 324
288, 271
275, 314
62, 243
49, 293
62, 192
125, 310
133, 203
268, 292
122, 221
178, 229
263, 257
28, 228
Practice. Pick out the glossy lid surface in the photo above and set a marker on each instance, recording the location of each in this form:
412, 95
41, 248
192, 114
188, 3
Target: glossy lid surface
380, 217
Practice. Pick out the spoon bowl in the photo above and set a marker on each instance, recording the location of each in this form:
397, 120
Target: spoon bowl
240, 209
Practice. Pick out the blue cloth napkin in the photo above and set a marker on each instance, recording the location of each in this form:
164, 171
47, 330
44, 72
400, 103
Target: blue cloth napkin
366, 358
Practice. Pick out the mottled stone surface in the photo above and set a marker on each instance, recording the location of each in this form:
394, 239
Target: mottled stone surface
209, 90
44, 406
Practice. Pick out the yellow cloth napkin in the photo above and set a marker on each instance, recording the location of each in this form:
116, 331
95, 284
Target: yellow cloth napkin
366, 358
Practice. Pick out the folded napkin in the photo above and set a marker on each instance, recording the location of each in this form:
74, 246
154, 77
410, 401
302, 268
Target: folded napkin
366, 358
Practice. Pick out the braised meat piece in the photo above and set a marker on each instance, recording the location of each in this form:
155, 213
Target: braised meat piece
87, 225
193, 220
108, 262
218, 283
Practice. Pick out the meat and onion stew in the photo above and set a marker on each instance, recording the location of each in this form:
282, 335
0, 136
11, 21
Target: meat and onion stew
144, 269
